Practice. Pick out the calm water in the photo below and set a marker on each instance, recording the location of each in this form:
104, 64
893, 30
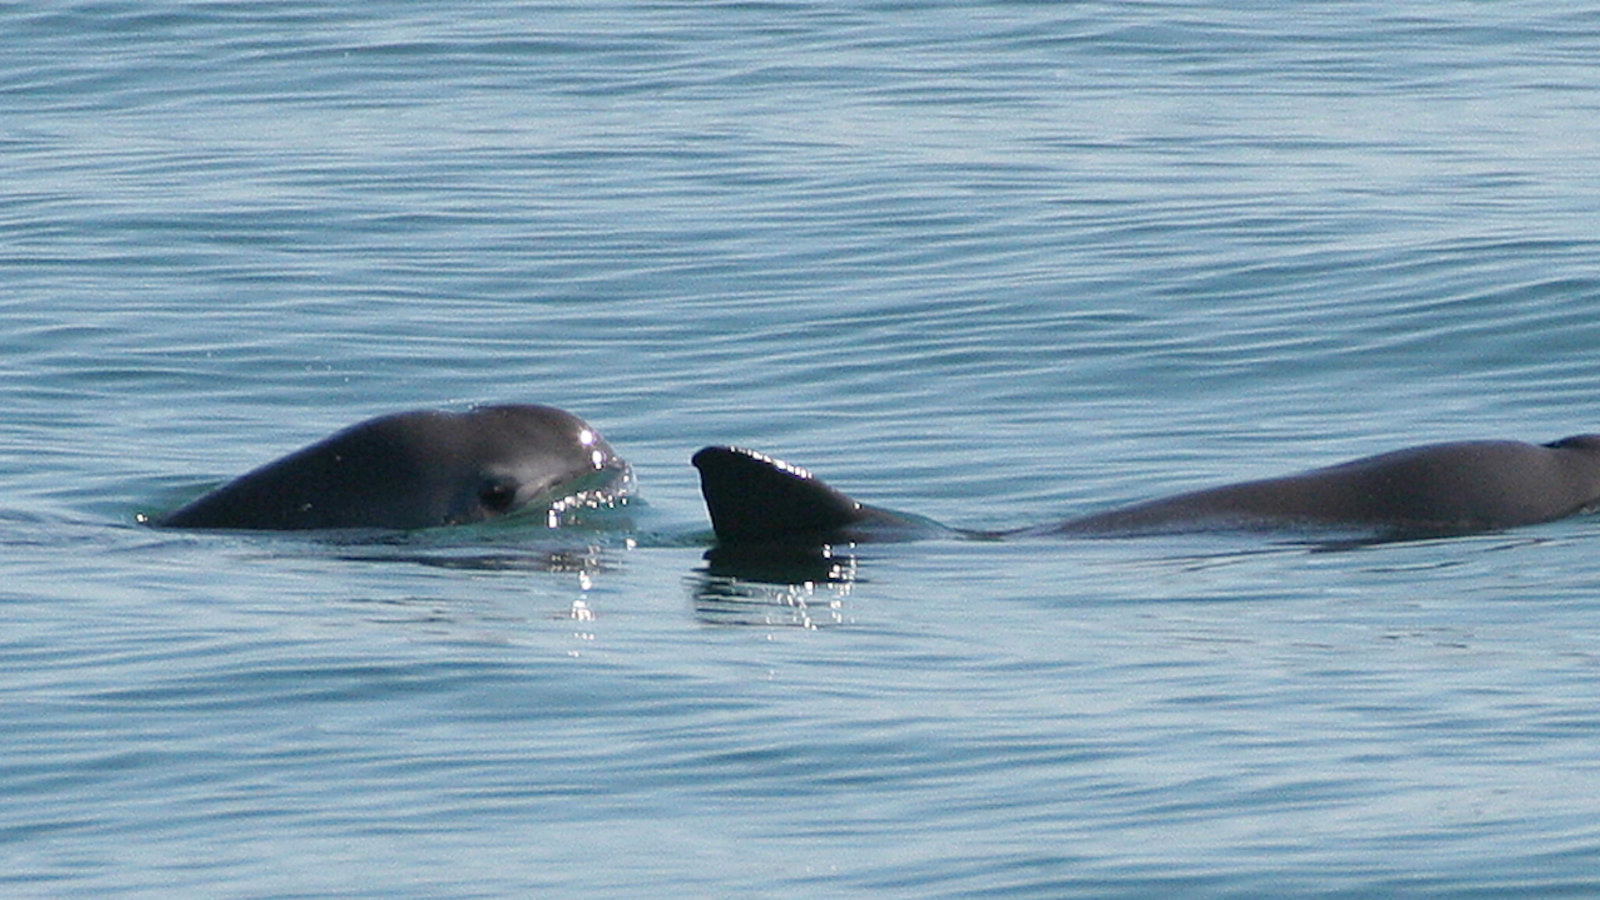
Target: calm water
995, 263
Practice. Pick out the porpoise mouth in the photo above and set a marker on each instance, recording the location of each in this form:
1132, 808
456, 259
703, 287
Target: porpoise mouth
610, 486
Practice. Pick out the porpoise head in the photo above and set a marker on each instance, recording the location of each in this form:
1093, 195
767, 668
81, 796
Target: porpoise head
525, 457
422, 469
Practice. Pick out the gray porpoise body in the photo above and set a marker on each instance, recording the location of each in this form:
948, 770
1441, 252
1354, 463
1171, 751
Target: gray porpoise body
1439, 489
1454, 488
418, 470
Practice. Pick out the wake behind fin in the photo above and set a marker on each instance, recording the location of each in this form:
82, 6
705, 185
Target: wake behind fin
753, 497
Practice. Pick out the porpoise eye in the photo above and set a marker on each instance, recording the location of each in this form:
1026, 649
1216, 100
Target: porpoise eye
498, 496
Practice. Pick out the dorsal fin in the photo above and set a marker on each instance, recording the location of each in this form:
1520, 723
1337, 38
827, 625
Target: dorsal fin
753, 497
1590, 442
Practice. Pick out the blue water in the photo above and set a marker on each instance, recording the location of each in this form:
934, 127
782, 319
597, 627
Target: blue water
995, 263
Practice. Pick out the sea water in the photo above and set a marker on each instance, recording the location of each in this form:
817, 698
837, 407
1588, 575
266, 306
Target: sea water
995, 263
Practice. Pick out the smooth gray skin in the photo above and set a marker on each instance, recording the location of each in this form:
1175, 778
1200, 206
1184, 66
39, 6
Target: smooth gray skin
1439, 489
418, 470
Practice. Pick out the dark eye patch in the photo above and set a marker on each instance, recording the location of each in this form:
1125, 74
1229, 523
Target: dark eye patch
498, 496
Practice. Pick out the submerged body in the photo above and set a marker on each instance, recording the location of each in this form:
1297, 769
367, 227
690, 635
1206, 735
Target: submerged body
1438, 489
421, 469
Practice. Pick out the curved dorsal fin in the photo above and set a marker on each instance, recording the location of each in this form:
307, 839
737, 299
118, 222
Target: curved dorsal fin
753, 497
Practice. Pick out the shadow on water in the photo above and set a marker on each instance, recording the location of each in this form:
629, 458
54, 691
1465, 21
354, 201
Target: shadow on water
804, 584
785, 585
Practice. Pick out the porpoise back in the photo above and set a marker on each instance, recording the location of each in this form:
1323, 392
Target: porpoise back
1438, 489
1454, 488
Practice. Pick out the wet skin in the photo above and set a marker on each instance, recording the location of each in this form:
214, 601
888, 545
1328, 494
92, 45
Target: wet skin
419, 469
1438, 489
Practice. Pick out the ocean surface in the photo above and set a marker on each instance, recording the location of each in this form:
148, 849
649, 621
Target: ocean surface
995, 263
